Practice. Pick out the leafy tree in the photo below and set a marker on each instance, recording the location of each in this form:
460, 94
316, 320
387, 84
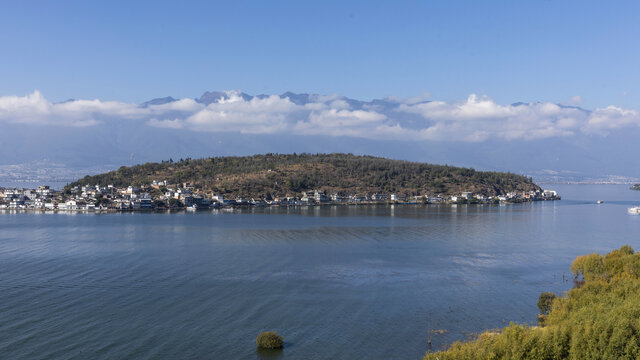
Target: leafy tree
173, 202
598, 320
588, 266
100, 200
545, 301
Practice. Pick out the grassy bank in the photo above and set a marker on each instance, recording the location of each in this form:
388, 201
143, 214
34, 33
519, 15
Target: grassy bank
598, 319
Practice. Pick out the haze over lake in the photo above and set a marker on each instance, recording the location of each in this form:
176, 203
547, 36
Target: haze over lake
337, 282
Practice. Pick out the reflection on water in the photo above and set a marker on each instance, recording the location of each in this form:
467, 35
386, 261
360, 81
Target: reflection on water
336, 282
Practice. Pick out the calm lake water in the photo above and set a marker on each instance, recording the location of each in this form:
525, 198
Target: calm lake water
336, 282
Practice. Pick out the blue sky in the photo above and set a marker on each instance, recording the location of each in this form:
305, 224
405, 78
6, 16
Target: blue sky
508, 50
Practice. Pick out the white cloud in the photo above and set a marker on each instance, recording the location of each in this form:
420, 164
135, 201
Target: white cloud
335, 122
35, 109
576, 100
256, 116
183, 105
474, 108
611, 118
478, 118
169, 124
339, 104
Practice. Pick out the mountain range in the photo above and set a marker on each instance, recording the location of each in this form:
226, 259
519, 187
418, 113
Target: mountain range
92, 136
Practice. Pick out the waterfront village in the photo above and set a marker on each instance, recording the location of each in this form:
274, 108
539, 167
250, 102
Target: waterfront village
160, 195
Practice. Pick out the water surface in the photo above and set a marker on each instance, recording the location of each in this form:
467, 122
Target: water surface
336, 282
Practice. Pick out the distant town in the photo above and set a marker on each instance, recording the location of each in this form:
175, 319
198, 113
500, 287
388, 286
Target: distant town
160, 195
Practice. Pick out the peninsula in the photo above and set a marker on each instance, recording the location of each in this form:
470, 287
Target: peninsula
290, 179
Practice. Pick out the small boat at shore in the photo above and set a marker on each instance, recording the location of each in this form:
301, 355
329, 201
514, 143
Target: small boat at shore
634, 210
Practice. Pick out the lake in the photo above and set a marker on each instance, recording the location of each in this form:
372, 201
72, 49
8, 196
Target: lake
338, 282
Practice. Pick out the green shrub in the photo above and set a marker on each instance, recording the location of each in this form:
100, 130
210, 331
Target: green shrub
544, 302
269, 340
598, 320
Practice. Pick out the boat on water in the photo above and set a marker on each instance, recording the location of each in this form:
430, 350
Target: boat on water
634, 210
599, 201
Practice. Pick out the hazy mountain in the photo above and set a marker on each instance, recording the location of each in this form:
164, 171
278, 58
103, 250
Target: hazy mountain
214, 96
114, 141
157, 101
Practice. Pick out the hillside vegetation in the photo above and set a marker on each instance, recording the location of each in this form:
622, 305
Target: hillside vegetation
598, 319
280, 175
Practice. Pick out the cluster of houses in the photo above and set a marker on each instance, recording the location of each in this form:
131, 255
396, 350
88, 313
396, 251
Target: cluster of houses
162, 195
89, 198
466, 197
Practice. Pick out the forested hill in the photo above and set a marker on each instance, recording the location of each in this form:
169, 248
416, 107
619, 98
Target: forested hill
279, 175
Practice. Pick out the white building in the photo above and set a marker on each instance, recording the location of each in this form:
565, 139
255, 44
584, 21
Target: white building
379, 197
70, 205
320, 196
466, 195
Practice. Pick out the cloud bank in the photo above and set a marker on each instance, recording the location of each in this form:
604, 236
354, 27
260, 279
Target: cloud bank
476, 119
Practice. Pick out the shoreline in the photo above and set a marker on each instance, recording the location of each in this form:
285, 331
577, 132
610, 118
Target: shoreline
240, 207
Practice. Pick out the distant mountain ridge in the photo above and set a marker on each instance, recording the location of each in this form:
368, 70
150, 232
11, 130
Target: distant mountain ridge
128, 139
210, 97
158, 101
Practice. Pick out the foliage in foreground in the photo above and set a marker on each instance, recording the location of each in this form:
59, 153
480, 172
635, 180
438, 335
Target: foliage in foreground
598, 320
269, 340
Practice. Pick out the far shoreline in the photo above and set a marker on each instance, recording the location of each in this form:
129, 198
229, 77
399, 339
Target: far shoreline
246, 207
